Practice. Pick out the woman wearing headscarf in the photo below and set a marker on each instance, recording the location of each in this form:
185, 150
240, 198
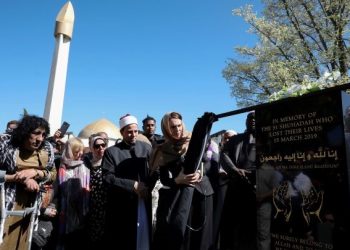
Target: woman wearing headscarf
167, 160
73, 192
97, 205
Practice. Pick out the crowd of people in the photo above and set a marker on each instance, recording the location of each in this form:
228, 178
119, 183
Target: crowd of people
122, 196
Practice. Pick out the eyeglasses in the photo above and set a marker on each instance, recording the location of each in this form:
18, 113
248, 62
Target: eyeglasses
97, 146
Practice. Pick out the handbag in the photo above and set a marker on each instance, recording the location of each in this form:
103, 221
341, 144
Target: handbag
42, 234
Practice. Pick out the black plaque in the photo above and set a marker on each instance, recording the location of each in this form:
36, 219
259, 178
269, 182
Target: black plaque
305, 143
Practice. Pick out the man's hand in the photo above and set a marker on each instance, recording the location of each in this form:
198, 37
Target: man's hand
31, 185
50, 211
57, 135
25, 174
242, 172
141, 190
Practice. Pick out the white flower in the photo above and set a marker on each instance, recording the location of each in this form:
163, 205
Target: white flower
328, 79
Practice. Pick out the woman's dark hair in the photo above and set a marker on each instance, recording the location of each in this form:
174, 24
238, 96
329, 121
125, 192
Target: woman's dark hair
26, 126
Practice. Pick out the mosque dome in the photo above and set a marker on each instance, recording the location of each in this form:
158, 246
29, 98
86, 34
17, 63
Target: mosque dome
102, 125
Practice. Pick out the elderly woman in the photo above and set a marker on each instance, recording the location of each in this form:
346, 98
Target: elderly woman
73, 192
167, 160
26, 160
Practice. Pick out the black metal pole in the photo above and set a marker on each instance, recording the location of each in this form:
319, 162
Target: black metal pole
259, 106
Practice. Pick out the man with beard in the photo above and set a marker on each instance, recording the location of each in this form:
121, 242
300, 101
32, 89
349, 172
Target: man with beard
239, 215
126, 174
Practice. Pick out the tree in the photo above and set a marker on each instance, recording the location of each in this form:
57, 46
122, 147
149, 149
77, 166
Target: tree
298, 42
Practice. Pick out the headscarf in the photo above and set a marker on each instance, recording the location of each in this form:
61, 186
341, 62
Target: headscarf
74, 184
68, 157
95, 161
172, 149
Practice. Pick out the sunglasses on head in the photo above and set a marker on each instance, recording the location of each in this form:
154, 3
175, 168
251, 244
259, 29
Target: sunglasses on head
97, 146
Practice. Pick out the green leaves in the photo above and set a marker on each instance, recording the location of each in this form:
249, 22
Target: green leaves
298, 43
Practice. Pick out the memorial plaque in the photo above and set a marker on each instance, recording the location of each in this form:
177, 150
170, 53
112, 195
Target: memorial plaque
302, 149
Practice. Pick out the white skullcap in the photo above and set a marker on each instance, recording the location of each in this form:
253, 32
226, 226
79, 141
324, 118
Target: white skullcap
127, 120
231, 132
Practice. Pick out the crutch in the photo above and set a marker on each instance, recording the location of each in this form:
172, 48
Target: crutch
33, 211
3, 211
34, 218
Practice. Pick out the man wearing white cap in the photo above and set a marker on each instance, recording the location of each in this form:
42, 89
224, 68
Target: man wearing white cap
126, 174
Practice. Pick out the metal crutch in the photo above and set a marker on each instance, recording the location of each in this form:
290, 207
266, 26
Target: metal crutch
33, 211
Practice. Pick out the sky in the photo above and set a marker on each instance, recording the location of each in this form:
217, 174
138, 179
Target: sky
142, 57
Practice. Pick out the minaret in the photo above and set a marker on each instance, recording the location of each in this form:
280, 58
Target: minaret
57, 83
